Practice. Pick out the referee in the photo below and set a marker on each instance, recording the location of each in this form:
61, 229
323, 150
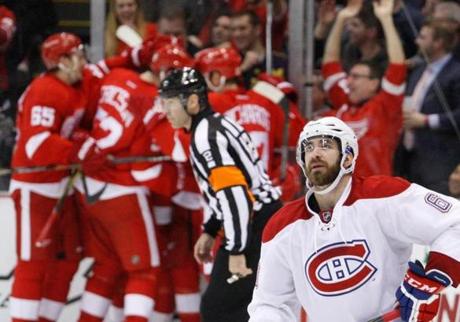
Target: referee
239, 195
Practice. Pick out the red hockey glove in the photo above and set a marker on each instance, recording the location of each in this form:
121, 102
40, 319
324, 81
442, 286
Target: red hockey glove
89, 156
418, 295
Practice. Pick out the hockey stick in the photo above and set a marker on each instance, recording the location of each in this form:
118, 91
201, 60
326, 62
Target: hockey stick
45, 168
76, 166
44, 238
275, 95
128, 35
138, 159
387, 317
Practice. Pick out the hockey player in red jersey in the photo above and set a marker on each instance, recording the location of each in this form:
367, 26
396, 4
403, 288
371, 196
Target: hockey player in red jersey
48, 111
287, 173
370, 106
121, 235
176, 201
126, 92
259, 116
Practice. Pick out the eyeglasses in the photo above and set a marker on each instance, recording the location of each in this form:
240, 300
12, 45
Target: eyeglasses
357, 76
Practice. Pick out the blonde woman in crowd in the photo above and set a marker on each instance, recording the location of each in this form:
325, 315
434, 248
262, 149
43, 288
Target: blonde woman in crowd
128, 13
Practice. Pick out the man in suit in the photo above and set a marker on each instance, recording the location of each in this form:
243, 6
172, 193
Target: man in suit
430, 147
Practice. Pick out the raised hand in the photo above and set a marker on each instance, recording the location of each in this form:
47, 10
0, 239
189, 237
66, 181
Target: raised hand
326, 12
383, 8
352, 9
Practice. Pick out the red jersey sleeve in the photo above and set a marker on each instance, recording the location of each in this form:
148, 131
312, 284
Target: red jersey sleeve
393, 86
335, 84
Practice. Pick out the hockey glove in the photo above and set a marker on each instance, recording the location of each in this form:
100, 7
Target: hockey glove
418, 295
89, 156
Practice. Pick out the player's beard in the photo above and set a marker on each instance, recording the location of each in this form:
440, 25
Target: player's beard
324, 178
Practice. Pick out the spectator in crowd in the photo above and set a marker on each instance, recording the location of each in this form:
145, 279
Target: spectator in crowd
430, 147
403, 22
326, 14
454, 182
125, 13
428, 7
371, 106
365, 39
406, 17
172, 23
36, 19
246, 36
449, 10
7, 29
220, 31
279, 23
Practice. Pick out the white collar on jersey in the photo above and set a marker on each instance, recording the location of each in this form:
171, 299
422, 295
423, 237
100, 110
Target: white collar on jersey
336, 215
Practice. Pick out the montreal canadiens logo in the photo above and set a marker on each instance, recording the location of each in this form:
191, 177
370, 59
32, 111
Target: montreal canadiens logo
339, 268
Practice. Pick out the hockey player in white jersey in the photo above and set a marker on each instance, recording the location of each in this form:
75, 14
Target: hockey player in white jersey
342, 251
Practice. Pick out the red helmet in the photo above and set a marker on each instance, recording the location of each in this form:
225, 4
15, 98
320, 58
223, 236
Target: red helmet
163, 40
58, 45
170, 57
224, 60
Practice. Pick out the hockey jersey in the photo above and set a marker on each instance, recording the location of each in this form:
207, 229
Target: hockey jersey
377, 123
261, 119
345, 265
48, 112
117, 125
169, 179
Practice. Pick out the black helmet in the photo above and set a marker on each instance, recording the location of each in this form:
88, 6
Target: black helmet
183, 82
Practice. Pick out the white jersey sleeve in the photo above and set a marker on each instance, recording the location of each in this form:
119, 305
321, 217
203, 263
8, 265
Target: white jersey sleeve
274, 300
425, 217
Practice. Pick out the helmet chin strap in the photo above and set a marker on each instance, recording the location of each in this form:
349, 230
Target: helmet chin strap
334, 183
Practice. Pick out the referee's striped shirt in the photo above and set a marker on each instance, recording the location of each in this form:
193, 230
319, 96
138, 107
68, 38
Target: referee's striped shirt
230, 175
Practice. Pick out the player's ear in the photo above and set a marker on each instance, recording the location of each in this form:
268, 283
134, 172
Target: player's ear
193, 104
64, 62
348, 160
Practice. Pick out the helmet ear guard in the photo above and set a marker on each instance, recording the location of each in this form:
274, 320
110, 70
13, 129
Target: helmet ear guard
329, 127
225, 61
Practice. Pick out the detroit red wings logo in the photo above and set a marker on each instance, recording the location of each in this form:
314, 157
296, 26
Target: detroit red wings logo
339, 268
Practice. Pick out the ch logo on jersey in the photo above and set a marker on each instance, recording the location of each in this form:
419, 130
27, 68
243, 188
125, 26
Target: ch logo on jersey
339, 268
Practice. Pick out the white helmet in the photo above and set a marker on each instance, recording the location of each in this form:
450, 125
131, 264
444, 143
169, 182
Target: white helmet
329, 127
